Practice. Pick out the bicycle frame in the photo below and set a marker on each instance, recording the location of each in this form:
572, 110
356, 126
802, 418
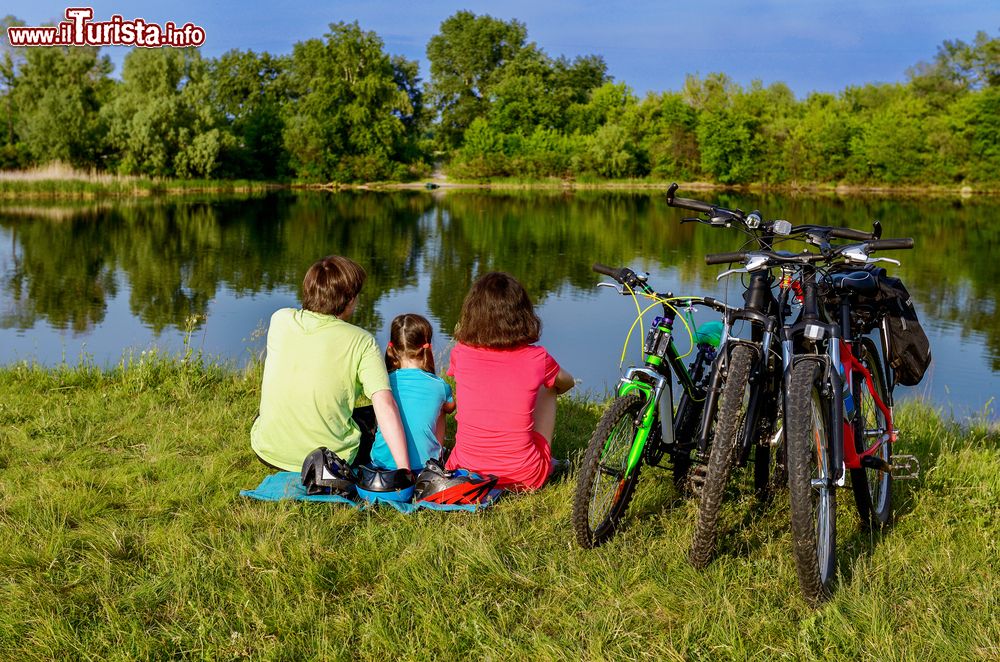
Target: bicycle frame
653, 381
853, 458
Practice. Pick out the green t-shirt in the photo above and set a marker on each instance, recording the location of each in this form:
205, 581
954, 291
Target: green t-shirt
316, 367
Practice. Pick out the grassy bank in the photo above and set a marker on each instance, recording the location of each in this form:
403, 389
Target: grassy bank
124, 537
62, 182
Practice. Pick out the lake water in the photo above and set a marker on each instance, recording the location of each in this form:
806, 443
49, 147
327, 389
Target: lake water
96, 280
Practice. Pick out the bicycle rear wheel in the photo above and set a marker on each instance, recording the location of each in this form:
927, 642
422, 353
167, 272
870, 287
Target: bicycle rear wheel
812, 493
603, 491
872, 488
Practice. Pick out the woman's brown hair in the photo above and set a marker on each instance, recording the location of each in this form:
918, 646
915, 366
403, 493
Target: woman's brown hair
498, 314
331, 284
410, 337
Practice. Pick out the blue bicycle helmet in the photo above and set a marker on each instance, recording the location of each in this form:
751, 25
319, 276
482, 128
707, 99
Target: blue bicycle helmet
384, 484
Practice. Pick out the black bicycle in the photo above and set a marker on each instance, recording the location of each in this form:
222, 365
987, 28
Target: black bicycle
837, 408
744, 393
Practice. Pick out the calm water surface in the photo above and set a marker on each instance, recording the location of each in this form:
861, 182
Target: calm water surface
99, 280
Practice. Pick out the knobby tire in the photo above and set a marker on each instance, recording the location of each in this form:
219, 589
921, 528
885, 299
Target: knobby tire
813, 509
606, 454
728, 426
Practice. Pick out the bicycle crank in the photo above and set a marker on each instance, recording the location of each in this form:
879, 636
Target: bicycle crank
696, 479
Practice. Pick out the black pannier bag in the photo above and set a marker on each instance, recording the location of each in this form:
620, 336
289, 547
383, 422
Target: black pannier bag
909, 349
886, 297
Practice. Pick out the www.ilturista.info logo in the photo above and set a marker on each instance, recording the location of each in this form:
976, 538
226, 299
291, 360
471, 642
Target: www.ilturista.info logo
79, 30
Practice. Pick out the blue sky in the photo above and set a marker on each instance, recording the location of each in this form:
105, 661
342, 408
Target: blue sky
813, 45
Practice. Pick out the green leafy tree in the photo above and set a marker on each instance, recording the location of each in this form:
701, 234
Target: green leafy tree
728, 148
248, 89
161, 121
891, 145
12, 153
985, 144
350, 114
465, 57
56, 98
959, 67
666, 129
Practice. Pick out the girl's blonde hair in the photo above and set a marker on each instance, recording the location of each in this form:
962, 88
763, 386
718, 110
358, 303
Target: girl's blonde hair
410, 337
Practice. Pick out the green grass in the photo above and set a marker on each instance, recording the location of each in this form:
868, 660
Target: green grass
123, 537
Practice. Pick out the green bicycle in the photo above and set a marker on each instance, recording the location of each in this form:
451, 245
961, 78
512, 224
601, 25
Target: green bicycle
641, 425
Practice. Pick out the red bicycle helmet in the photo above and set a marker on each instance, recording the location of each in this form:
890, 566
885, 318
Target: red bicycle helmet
435, 484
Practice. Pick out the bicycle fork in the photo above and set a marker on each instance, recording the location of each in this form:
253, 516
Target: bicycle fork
658, 393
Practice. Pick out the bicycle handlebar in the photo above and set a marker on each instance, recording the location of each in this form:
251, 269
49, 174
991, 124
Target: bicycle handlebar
890, 244
725, 258
848, 233
623, 275
806, 257
769, 226
606, 270
685, 203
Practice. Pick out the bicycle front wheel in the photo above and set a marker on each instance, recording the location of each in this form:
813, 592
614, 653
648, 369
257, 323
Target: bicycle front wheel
872, 487
730, 422
812, 493
603, 491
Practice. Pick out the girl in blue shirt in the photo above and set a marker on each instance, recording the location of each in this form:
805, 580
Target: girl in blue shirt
423, 398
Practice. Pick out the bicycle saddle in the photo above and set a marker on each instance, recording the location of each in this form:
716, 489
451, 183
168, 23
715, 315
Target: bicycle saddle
858, 282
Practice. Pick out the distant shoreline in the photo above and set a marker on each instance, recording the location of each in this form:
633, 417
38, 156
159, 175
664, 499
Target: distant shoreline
13, 186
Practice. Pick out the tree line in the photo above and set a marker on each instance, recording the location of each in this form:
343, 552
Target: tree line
343, 109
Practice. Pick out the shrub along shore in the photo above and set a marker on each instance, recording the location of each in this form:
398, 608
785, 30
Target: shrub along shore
124, 537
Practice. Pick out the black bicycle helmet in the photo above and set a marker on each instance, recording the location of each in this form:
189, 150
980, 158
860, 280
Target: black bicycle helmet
325, 473
385, 484
436, 484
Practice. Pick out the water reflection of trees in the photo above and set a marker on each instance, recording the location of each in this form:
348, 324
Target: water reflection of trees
174, 256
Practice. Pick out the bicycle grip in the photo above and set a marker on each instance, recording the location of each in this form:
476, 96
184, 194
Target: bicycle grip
889, 244
693, 205
725, 258
848, 233
685, 203
606, 270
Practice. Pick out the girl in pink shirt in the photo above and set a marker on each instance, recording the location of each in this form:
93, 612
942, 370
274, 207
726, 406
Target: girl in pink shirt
506, 385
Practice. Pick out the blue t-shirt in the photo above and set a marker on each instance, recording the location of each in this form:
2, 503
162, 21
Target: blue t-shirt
420, 396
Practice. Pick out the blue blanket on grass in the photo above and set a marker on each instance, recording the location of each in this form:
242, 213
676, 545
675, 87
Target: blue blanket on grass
287, 485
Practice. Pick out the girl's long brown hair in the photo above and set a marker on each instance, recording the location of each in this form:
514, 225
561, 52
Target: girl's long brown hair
410, 337
497, 314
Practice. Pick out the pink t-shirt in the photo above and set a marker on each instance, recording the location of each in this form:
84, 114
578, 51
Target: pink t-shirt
496, 391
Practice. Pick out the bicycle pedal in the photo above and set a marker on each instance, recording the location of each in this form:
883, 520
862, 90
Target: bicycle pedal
905, 467
696, 479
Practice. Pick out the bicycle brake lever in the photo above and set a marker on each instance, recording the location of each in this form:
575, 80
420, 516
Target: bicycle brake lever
690, 220
858, 255
731, 271
617, 288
